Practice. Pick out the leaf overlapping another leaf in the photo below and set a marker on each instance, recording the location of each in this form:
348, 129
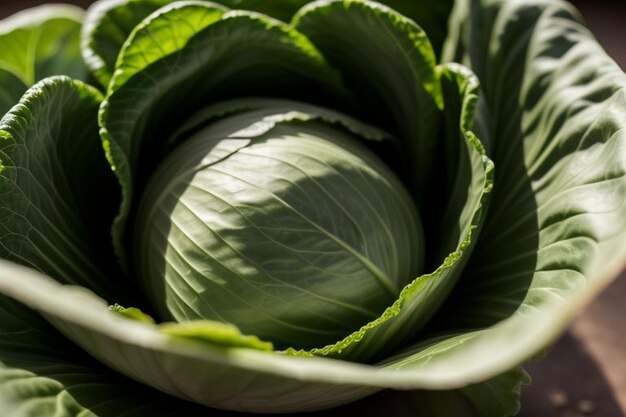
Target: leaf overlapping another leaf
529, 242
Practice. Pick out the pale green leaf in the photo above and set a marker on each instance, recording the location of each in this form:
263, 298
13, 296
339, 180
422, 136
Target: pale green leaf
42, 41
210, 374
214, 333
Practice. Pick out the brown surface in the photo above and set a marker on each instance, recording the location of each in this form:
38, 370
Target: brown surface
585, 373
586, 370
8, 7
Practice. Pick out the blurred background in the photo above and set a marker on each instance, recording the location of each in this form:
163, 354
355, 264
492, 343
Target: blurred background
585, 373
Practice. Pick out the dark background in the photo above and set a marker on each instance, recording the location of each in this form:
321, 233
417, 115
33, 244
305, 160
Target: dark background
585, 373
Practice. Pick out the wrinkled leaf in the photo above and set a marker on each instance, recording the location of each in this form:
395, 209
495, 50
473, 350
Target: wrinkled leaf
52, 218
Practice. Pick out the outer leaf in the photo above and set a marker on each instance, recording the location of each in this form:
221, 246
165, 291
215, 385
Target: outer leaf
389, 65
107, 25
28, 49
43, 374
40, 42
263, 381
210, 374
419, 300
557, 230
498, 396
256, 56
51, 217
432, 16
11, 89
171, 28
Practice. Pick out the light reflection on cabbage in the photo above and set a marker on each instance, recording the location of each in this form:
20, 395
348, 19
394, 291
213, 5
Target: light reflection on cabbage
299, 235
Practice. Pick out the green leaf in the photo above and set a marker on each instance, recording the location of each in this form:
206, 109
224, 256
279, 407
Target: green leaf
555, 233
52, 218
44, 374
209, 374
169, 28
420, 299
107, 25
257, 55
132, 313
214, 333
11, 89
432, 16
389, 64
40, 42
37, 43
498, 396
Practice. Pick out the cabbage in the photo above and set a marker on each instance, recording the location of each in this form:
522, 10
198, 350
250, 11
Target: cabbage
287, 206
291, 230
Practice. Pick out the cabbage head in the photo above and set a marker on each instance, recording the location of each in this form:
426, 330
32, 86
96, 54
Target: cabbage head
211, 207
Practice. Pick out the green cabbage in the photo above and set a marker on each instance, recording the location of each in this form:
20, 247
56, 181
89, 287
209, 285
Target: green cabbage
286, 206
289, 229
